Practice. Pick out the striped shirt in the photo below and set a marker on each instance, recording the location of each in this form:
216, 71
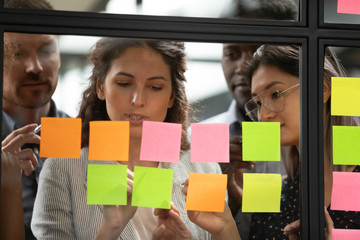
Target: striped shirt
61, 211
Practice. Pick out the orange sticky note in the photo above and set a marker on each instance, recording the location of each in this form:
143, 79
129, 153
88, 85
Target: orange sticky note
206, 192
60, 137
109, 140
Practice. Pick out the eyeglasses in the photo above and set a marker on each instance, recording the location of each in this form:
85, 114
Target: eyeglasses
271, 99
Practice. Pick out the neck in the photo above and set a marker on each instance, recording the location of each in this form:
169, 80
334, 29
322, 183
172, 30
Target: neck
24, 116
134, 155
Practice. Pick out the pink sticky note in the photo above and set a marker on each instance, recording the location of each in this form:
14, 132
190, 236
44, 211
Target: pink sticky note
349, 6
345, 191
160, 142
210, 142
345, 234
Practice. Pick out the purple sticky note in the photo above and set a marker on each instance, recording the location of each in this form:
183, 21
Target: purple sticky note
210, 142
160, 142
345, 234
345, 191
349, 6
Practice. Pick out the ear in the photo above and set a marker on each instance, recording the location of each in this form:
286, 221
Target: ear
100, 90
327, 91
171, 100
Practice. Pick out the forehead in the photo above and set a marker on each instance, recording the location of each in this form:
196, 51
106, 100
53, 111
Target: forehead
241, 47
267, 75
29, 40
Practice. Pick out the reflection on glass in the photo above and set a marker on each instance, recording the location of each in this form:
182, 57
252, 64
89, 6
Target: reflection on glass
334, 67
253, 9
332, 15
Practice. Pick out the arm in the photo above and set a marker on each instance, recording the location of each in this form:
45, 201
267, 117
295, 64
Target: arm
11, 212
115, 218
13, 162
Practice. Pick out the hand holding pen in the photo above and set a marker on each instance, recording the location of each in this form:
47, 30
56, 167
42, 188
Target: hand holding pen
14, 156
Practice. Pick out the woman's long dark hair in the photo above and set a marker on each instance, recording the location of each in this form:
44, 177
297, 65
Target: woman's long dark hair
101, 57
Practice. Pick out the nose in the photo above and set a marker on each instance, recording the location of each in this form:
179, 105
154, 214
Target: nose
240, 63
266, 115
33, 65
138, 98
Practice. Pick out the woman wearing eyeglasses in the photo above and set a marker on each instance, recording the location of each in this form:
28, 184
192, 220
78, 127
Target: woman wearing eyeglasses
274, 74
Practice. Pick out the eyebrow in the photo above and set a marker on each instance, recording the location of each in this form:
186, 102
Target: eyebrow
268, 87
132, 76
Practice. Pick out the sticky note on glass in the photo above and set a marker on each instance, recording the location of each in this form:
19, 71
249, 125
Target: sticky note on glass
345, 234
345, 96
210, 142
109, 140
261, 192
348, 6
345, 193
160, 142
60, 137
152, 187
206, 192
107, 184
261, 141
346, 145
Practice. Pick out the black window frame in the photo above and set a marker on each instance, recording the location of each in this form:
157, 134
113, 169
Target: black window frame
310, 32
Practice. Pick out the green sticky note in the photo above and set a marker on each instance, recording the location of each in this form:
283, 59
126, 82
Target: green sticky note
107, 184
345, 96
261, 141
261, 192
152, 187
346, 145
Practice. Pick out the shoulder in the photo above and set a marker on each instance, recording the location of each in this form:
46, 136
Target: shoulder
66, 166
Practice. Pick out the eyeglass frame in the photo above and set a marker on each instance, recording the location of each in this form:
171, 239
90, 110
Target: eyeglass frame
280, 93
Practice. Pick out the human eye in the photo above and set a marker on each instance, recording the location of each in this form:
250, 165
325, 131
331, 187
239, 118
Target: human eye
231, 54
46, 52
258, 103
123, 83
155, 87
276, 94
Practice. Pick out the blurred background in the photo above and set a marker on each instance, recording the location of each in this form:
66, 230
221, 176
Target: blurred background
206, 86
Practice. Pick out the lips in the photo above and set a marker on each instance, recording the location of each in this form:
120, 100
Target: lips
136, 118
239, 82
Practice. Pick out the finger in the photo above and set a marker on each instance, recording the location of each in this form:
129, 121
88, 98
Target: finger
328, 221
185, 188
179, 222
27, 155
293, 227
174, 209
24, 130
158, 232
16, 143
130, 174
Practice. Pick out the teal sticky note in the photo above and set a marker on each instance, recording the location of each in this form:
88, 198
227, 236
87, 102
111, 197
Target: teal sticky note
107, 184
346, 145
261, 141
152, 187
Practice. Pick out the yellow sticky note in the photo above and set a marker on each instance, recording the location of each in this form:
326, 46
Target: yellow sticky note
345, 96
109, 140
261, 192
206, 192
60, 137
